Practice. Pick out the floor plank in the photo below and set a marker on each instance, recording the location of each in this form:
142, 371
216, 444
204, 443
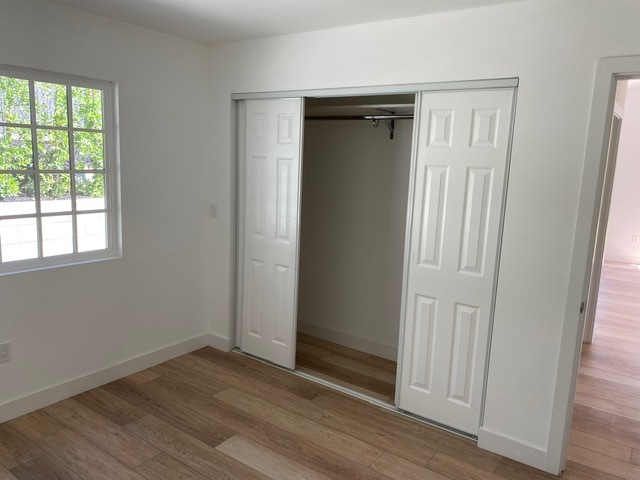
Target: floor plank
342, 383
346, 375
262, 372
401, 469
325, 461
15, 448
165, 467
266, 461
190, 451
84, 458
6, 474
345, 445
512, 470
361, 366
307, 349
143, 376
352, 425
609, 432
225, 416
603, 462
35, 425
580, 412
111, 407
103, 433
602, 445
172, 412
412, 432
455, 468
44, 467
220, 373
359, 371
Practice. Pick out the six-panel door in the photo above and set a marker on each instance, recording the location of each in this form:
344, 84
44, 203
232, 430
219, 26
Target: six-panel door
271, 168
462, 153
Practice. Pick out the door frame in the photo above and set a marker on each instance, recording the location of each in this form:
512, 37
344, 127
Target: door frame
238, 132
608, 71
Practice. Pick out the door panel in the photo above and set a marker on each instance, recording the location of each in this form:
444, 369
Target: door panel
270, 245
461, 160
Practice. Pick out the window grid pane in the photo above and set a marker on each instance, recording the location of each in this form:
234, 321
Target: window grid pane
57, 235
16, 148
51, 104
15, 101
87, 108
52, 171
18, 239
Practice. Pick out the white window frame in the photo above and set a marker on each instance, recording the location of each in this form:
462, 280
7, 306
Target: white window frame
111, 174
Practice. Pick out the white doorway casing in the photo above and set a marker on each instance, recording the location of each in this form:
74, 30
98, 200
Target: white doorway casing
609, 71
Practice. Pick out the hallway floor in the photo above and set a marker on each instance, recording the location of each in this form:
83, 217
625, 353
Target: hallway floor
606, 420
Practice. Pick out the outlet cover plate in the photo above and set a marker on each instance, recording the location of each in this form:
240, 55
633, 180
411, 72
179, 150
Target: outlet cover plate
5, 352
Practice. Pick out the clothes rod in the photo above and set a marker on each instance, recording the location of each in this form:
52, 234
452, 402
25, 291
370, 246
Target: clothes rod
359, 117
389, 120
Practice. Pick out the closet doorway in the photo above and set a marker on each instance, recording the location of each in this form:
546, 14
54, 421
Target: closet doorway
373, 260
355, 179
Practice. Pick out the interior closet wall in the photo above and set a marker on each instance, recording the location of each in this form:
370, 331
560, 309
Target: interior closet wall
354, 200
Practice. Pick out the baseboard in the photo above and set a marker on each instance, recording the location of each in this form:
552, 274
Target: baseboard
390, 352
219, 342
512, 448
48, 396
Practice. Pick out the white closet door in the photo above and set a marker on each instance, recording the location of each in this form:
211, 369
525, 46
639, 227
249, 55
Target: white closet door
270, 251
462, 154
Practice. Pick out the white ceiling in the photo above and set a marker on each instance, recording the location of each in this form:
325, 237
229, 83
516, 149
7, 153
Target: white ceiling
219, 21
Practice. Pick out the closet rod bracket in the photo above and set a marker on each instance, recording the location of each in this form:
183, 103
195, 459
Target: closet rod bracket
391, 125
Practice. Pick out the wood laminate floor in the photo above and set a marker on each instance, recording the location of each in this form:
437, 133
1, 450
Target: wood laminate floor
210, 415
362, 372
605, 432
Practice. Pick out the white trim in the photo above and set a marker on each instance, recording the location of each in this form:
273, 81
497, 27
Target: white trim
220, 342
384, 350
411, 187
513, 448
238, 242
608, 71
496, 276
48, 77
50, 395
381, 89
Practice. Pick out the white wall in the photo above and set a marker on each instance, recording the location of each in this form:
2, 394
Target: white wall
354, 198
552, 47
68, 322
177, 265
624, 219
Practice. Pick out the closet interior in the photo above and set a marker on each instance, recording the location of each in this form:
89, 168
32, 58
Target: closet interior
355, 180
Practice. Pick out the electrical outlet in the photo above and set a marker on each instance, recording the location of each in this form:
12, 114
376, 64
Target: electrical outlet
213, 210
5, 352
634, 239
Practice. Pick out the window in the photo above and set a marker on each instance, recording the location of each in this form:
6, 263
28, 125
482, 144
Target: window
58, 184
